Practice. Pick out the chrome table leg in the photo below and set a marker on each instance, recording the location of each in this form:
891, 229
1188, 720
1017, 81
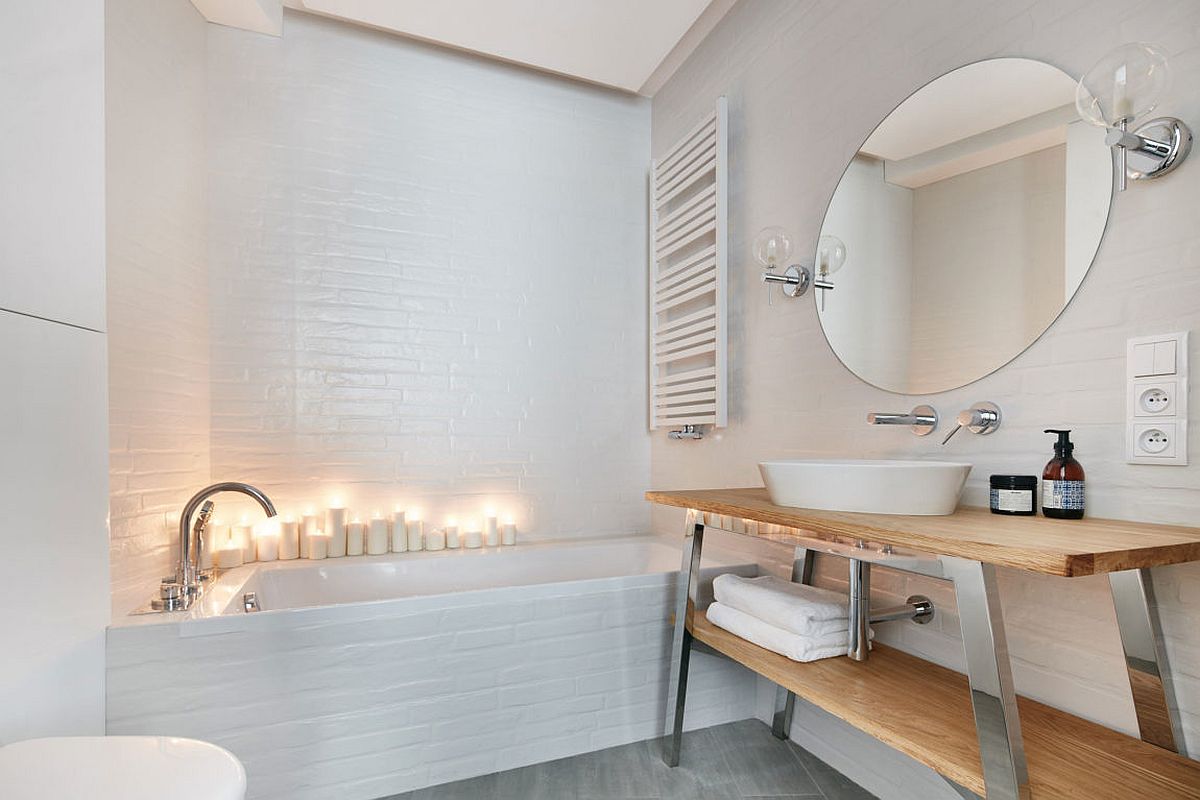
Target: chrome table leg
989, 672
860, 610
1146, 658
687, 590
785, 701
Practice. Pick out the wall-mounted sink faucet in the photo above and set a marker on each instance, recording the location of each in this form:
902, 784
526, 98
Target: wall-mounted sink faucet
982, 418
180, 593
922, 420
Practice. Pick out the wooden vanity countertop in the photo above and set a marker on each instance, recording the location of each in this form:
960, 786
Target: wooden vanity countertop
1068, 548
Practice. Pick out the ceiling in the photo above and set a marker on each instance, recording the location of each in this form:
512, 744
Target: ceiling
618, 43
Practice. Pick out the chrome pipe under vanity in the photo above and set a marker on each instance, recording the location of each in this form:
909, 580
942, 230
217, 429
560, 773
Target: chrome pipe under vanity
179, 593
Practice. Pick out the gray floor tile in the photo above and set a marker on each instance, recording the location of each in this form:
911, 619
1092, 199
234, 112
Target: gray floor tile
739, 761
833, 784
753, 757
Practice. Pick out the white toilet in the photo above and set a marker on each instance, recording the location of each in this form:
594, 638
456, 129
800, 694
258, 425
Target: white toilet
119, 768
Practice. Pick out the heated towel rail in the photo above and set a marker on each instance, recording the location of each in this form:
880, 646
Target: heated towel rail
688, 281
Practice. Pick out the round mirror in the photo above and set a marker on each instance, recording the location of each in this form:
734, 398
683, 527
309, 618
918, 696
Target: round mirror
962, 227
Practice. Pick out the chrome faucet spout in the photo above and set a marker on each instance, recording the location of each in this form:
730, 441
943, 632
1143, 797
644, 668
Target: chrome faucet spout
187, 575
922, 420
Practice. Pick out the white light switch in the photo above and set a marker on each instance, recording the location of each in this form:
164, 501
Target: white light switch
1141, 360
1164, 357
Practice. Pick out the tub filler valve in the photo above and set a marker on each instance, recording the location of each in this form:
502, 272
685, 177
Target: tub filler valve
178, 592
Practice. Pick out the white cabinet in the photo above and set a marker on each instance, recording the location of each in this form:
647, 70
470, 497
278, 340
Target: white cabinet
53, 528
52, 160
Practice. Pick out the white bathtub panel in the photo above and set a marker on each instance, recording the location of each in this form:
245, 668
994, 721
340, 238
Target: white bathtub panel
370, 699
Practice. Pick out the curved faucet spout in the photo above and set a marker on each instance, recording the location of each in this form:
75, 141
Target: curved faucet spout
189, 568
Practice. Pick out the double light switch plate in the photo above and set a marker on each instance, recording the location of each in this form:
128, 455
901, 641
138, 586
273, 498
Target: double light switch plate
1157, 405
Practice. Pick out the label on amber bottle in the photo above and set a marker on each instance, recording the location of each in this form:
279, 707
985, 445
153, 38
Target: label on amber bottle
1067, 495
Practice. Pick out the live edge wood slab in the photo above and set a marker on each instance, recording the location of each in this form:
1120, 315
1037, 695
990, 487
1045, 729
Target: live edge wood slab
1067, 548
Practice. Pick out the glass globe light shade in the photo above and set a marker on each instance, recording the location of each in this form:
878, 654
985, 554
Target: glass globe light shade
831, 254
772, 247
1125, 84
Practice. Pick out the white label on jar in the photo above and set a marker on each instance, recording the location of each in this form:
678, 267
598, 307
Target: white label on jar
1067, 495
1013, 499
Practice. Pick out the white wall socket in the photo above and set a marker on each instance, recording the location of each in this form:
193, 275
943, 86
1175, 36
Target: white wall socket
1156, 405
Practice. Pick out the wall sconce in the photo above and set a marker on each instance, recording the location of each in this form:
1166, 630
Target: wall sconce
1124, 86
772, 248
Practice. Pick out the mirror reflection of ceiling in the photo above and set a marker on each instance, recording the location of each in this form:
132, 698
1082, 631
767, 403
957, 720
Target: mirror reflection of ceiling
974, 117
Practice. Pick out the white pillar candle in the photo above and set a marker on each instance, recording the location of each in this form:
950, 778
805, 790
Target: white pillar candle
243, 537
399, 532
491, 531
416, 535
452, 541
308, 526
216, 536
266, 546
228, 556
335, 529
435, 539
289, 540
318, 546
377, 536
508, 534
354, 538
473, 539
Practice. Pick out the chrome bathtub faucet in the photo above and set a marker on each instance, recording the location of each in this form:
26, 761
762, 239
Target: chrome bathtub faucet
179, 593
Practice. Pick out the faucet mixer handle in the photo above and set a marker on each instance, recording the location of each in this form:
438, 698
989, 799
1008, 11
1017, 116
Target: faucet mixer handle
982, 418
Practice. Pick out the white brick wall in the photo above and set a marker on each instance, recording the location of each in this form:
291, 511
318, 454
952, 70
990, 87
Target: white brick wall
427, 273
776, 61
157, 282
363, 701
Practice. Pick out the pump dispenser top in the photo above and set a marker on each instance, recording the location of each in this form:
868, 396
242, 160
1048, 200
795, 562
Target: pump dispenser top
1064, 446
1063, 480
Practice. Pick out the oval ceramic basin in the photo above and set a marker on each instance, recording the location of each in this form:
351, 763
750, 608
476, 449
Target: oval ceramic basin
872, 487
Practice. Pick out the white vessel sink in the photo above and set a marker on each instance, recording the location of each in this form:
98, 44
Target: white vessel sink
872, 487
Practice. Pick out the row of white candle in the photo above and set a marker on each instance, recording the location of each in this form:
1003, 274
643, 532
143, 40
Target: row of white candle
289, 538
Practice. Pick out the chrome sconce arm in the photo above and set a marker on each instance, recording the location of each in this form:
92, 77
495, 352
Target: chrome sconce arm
795, 280
1160, 155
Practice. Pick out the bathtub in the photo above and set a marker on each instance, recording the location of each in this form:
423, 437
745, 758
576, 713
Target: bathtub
363, 677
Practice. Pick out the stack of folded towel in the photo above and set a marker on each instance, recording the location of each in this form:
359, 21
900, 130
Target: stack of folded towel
801, 622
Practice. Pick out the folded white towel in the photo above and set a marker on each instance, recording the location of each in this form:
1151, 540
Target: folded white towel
777, 640
794, 607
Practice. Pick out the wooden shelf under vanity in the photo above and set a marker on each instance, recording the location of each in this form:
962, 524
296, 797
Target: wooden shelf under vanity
929, 712
924, 711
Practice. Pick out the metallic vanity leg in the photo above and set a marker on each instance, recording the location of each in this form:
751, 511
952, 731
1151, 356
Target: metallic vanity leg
860, 610
989, 671
685, 606
785, 701
1146, 658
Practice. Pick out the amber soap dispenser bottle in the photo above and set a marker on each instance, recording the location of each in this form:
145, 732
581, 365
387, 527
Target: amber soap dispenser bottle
1062, 481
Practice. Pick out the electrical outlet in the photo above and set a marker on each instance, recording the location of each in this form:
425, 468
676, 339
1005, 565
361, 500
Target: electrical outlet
1154, 440
1154, 398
